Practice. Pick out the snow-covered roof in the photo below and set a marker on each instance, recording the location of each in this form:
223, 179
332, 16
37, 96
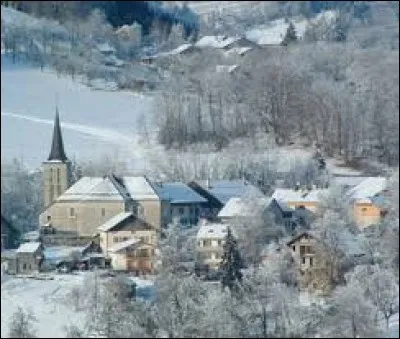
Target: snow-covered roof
367, 188
216, 41
243, 207
29, 247
60, 252
124, 244
140, 188
178, 193
106, 48
92, 188
348, 180
180, 49
107, 188
225, 68
114, 221
223, 190
291, 195
215, 231
238, 50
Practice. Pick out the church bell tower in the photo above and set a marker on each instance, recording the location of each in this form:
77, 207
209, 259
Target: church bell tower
57, 168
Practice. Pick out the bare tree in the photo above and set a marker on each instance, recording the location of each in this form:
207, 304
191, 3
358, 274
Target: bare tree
21, 325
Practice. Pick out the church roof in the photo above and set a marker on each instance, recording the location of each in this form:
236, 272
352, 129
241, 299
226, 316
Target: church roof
57, 147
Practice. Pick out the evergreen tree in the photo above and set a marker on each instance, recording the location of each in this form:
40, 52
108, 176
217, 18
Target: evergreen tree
290, 36
231, 263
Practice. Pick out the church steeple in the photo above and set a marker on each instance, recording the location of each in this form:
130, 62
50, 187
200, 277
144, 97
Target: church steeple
57, 168
57, 147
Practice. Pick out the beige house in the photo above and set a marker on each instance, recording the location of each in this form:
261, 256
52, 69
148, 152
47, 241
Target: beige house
26, 259
138, 254
133, 255
210, 241
300, 198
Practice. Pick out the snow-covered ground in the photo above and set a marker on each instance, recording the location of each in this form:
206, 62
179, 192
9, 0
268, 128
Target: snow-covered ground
46, 299
274, 31
94, 122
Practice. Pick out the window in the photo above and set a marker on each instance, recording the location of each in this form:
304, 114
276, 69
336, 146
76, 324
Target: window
206, 242
125, 238
219, 242
311, 261
303, 260
116, 239
49, 218
103, 212
72, 212
294, 248
302, 250
143, 252
181, 210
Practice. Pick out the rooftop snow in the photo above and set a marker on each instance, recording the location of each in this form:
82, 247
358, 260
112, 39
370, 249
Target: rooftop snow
124, 244
243, 207
106, 48
114, 221
348, 180
215, 41
238, 50
179, 193
177, 50
140, 188
367, 188
28, 247
291, 195
217, 231
92, 188
225, 68
223, 190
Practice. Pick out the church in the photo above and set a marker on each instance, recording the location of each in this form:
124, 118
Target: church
80, 208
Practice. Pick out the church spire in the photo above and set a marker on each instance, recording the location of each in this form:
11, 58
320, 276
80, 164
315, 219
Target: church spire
57, 146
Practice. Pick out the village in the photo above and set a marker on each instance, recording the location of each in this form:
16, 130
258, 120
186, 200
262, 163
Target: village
115, 223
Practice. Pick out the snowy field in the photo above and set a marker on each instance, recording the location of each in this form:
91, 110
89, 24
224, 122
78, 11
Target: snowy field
46, 299
94, 122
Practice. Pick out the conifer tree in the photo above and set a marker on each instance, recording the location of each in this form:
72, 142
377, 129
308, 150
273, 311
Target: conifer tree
231, 264
290, 36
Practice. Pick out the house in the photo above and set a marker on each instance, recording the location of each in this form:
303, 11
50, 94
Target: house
300, 197
210, 239
218, 192
367, 201
133, 254
186, 204
314, 272
26, 259
9, 235
243, 208
138, 255
291, 218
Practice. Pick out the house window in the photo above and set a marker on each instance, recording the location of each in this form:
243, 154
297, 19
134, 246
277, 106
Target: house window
303, 260
72, 212
49, 218
219, 242
103, 212
24, 266
302, 250
181, 210
143, 252
311, 261
364, 209
125, 238
294, 248
207, 242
